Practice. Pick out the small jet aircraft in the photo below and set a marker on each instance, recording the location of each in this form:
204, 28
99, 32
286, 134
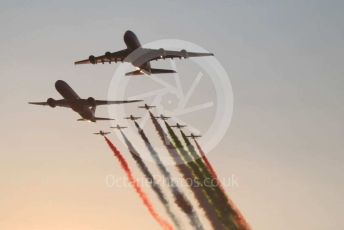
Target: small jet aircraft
102, 133
147, 107
84, 107
118, 127
162, 117
179, 126
133, 118
193, 136
140, 57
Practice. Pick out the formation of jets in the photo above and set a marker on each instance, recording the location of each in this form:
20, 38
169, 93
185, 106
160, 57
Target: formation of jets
140, 57
133, 118
135, 54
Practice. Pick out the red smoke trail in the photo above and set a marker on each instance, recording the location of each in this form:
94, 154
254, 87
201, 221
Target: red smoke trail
164, 224
243, 225
206, 161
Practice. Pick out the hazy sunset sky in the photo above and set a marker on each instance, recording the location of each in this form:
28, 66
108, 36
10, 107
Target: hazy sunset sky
284, 144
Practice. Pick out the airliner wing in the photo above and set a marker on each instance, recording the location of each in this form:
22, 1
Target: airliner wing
61, 103
38, 103
108, 57
156, 54
100, 102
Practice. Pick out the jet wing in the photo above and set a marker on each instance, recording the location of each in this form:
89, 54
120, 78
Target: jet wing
38, 103
111, 57
61, 103
156, 54
101, 102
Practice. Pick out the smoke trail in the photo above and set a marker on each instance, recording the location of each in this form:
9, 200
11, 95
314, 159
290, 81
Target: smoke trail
195, 157
155, 186
208, 171
239, 219
230, 214
164, 224
198, 193
211, 192
206, 168
209, 174
206, 161
181, 200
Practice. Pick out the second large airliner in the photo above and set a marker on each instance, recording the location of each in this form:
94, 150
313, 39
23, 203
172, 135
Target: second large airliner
86, 108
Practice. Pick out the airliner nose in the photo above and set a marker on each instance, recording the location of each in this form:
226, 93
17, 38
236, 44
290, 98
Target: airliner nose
129, 35
128, 32
60, 84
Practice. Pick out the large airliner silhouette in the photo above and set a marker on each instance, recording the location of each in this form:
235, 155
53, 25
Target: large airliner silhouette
84, 107
139, 56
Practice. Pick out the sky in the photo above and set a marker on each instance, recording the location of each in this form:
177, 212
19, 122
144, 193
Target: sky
284, 143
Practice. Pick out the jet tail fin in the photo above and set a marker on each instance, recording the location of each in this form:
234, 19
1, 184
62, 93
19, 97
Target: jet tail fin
152, 71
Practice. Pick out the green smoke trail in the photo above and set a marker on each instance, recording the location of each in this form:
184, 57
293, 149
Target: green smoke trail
180, 199
236, 215
154, 185
219, 202
205, 167
202, 200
